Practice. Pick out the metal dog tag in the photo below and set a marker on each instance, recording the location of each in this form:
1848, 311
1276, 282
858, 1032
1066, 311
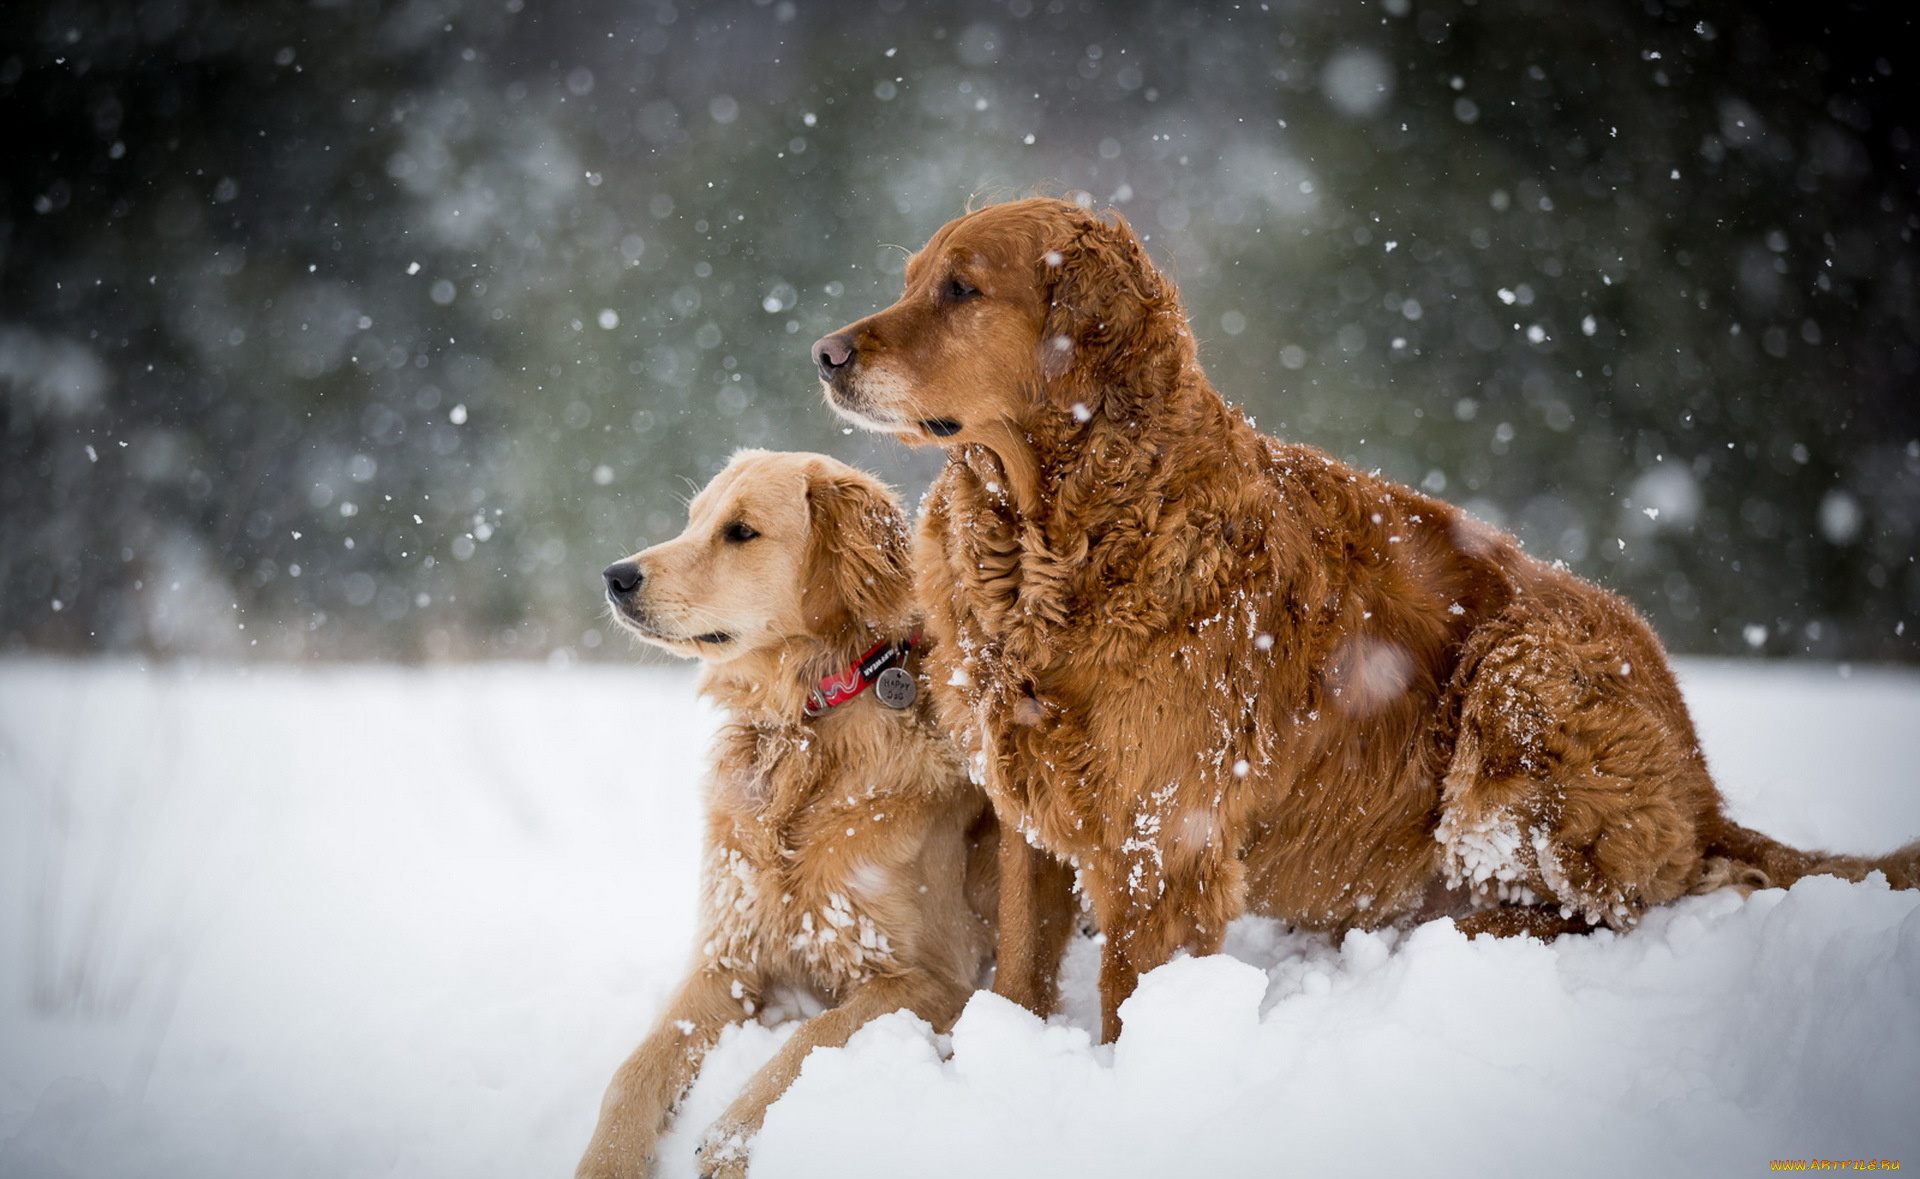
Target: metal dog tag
895, 687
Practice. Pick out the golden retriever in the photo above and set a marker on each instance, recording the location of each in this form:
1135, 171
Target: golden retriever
846, 852
1217, 672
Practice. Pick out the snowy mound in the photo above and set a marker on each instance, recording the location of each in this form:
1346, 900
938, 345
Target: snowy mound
1717, 1038
376, 922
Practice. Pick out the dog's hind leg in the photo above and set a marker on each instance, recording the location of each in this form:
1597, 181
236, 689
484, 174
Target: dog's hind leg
1576, 783
1537, 921
724, 1147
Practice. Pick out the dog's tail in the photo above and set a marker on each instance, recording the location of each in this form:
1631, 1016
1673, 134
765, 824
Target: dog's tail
1741, 857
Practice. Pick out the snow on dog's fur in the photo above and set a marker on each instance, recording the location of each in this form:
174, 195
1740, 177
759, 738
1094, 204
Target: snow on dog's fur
1218, 672
846, 854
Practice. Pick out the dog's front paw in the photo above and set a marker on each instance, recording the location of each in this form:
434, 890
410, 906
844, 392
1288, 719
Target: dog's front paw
629, 1166
723, 1151
617, 1156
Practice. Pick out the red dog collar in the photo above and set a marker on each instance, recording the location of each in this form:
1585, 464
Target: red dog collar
881, 665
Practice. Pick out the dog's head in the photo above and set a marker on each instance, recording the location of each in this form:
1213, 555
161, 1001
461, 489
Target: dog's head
778, 548
1011, 308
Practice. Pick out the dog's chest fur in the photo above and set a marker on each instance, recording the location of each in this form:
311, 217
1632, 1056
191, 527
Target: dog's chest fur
799, 857
1218, 651
1035, 613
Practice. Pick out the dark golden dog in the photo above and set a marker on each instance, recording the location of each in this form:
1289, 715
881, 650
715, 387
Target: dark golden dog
846, 853
1217, 672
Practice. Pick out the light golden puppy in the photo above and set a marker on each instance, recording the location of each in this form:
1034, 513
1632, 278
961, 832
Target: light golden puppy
1218, 672
846, 853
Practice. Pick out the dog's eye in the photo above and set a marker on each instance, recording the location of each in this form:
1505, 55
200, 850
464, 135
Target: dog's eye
739, 532
959, 290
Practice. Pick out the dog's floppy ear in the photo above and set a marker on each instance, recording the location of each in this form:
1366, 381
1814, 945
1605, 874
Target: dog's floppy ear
858, 570
1112, 316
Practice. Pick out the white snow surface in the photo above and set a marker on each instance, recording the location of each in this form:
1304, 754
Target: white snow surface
380, 922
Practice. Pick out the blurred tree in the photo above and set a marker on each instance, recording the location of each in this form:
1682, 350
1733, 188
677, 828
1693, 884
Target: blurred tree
365, 329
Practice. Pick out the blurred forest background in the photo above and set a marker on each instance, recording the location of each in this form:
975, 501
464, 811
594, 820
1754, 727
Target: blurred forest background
362, 329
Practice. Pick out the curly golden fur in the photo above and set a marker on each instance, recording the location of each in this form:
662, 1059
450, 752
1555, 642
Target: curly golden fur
1217, 672
846, 854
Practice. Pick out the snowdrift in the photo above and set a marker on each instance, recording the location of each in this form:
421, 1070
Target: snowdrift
379, 922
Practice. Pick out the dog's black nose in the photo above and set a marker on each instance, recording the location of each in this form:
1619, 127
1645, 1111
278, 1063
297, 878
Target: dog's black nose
623, 577
833, 354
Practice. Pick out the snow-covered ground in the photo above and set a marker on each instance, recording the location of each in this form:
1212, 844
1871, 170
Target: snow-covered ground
372, 922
